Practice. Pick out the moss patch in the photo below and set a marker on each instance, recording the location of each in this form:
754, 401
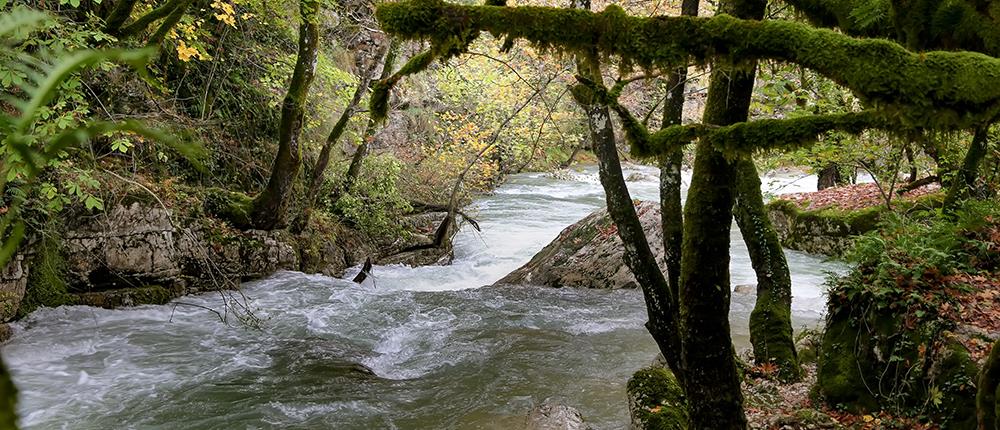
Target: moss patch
657, 400
46, 281
149, 295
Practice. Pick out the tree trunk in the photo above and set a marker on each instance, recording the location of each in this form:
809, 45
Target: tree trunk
771, 319
671, 207
712, 383
269, 208
961, 186
662, 324
829, 177
169, 22
116, 19
987, 407
354, 170
323, 160
144, 21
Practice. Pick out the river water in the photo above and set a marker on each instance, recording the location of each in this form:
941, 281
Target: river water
445, 353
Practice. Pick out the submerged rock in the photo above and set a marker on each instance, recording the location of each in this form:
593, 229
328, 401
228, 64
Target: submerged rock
552, 415
589, 254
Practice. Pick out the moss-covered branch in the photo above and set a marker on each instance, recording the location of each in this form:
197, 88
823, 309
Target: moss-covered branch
746, 138
931, 90
737, 140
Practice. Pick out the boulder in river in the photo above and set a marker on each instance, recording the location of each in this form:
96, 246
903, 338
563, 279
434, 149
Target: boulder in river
552, 415
589, 254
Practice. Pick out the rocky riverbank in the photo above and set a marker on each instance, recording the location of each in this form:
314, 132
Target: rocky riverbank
140, 253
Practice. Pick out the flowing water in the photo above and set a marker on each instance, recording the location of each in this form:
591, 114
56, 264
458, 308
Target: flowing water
445, 353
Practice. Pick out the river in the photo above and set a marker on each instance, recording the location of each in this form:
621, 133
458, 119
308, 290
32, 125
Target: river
446, 354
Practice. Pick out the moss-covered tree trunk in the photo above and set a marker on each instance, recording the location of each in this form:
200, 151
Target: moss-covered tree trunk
771, 319
962, 185
269, 208
711, 380
357, 160
639, 258
323, 160
143, 22
119, 14
987, 406
169, 22
671, 208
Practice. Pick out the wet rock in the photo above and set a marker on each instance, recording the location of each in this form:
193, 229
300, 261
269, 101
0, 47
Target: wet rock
13, 282
826, 232
589, 254
552, 415
745, 289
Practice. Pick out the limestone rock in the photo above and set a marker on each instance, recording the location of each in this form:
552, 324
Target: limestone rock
13, 282
551, 415
589, 254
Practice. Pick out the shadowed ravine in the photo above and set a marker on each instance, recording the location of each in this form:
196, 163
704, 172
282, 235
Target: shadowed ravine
445, 354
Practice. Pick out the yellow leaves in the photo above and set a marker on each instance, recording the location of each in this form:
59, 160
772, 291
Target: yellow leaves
225, 12
186, 53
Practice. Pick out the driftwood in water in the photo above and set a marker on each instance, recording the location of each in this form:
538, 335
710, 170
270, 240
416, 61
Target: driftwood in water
366, 271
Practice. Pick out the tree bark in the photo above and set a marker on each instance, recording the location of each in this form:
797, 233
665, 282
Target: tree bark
829, 176
143, 22
323, 160
357, 160
987, 407
169, 22
269, 208
121, 13
712, 383
961, 186
671, 207
771, 319
662, 324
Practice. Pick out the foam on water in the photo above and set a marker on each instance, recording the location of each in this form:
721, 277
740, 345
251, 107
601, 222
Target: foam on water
445, 353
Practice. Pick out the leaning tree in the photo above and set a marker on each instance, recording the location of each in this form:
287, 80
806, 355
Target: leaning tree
915, 83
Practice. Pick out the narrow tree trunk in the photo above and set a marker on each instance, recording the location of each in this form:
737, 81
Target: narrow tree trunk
323, 161
829, 177
962, 185
269, 208
911, 160
662, 324
987, 407
144, 21
357, 160
712, 383
771, 319
671, 207
116, 19
169, 22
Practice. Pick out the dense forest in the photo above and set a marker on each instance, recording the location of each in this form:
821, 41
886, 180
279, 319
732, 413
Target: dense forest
248, 213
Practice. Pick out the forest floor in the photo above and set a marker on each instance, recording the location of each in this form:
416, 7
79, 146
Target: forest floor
772, 405
851, 197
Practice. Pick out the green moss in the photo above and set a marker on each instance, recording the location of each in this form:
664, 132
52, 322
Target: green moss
148, 295
46, 281
229, 206
659, 400
936, 89
839, 371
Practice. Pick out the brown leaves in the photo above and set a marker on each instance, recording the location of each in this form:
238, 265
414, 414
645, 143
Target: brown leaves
850, 197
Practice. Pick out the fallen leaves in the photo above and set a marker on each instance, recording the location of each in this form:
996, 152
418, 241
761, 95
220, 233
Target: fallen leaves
851, 197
